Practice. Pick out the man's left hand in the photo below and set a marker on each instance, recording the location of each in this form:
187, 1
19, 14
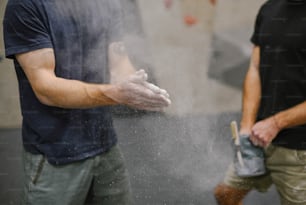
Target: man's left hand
263, 132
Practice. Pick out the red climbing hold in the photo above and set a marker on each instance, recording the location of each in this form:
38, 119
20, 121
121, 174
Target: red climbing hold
190, 20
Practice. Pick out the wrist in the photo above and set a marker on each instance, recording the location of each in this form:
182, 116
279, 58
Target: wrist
245, 129
276, 120
112, 92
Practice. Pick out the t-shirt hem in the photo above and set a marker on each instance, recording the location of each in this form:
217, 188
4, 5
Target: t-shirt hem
78, 157
290, 145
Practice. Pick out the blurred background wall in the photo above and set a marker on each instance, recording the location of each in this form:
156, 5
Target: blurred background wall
9, 100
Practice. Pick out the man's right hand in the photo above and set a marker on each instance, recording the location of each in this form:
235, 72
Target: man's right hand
136, 92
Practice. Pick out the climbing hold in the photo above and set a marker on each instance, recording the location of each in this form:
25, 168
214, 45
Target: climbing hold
168, 3
190, 20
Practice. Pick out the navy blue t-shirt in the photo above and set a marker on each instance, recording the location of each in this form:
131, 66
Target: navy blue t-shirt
79, 32
280, 32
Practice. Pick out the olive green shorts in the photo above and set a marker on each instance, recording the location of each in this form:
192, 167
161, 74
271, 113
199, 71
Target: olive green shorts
99, 180
286, 170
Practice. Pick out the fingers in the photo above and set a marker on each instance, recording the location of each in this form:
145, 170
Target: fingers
147, 97
140, 94
144, 76
148, 100
117, 51
258, 140
160, 92
157, 96
149, 90
255, 141
138, 77
263, 132
156, 89
119, 48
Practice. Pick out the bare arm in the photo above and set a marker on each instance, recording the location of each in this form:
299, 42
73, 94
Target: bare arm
133, 90
251, 93
292, 117
39, 67
266, 130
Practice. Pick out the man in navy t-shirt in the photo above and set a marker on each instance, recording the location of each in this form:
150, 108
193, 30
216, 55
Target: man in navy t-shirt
71, 67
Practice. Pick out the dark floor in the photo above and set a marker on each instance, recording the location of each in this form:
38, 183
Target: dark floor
171, 160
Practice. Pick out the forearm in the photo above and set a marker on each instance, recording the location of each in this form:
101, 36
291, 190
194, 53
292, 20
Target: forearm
265, 131
251, 94
77, 94
65, 93
134, 90
39, 66
294, 116
119, 62
251, 99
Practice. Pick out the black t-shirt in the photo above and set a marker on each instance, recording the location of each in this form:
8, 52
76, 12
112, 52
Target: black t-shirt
280, 31
79, 31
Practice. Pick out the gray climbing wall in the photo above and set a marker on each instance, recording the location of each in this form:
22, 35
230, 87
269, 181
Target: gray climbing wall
9, 100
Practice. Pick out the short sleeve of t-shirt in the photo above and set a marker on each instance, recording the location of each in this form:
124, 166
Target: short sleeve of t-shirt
256, 34
23, 28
